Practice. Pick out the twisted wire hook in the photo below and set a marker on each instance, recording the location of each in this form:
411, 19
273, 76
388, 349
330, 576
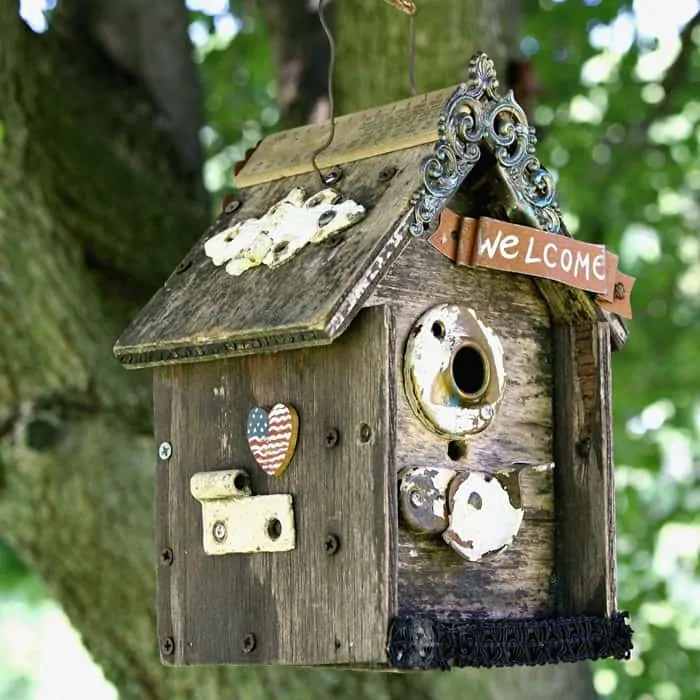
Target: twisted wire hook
333, 176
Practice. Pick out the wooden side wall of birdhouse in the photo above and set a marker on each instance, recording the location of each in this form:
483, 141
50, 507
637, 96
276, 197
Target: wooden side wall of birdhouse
432, 578
309, 606
585, 484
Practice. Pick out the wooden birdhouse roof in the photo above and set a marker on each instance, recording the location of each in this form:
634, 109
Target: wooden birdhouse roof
291, 260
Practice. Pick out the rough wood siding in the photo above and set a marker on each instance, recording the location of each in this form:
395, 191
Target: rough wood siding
304, 607
432, 577
585, 481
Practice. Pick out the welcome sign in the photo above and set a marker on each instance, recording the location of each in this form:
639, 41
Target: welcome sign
500, 245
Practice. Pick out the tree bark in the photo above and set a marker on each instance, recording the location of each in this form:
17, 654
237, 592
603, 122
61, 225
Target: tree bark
97, 205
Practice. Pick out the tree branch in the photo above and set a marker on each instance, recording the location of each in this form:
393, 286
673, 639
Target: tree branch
677, 74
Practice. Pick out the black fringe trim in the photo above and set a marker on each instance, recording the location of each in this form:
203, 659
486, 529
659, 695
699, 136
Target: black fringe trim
427, 643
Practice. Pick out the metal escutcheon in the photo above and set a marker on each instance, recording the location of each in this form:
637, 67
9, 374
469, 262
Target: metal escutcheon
453, 371
423, 498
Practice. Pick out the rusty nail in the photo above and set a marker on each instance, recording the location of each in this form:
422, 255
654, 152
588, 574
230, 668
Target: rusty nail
332, 437
168, 646
165, 451
249, 642
167, 557
619, 290
332, 544
385, 174
365, 433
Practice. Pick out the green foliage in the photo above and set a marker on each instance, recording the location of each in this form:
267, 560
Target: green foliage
623, 139
233, 51
13, 573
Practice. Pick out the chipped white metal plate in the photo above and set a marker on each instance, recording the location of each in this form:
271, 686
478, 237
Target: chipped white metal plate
234, 522
482, 519
283, 230
453, 371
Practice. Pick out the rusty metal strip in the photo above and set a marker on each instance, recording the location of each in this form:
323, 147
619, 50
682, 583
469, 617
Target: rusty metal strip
501, 245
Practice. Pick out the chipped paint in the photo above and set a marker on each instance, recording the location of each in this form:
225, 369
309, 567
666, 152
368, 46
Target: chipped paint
236, 522
283, 230
423, 498
342, 316
482, 518
454, 373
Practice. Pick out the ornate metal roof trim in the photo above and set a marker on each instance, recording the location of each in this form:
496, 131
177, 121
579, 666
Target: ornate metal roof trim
474, 116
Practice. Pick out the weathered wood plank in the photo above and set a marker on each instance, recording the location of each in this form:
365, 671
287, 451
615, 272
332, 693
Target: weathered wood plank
164, 554
204, 313
584, 481
372, 132
303, 606
431, 576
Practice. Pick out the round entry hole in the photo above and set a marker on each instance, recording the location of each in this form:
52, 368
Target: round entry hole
469, 371
274, 529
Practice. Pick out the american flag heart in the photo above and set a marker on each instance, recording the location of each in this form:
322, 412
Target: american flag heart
272, 436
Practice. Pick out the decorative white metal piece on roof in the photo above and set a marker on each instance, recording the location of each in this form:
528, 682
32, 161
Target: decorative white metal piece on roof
283, 230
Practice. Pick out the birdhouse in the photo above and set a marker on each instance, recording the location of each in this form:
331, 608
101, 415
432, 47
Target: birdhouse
382, 404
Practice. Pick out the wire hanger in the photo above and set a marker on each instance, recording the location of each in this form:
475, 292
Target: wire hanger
406, 6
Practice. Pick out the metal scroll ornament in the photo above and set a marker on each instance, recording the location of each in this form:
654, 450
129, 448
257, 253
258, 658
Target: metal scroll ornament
477, 116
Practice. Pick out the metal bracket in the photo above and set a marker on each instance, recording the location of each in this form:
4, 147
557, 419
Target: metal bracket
236, 522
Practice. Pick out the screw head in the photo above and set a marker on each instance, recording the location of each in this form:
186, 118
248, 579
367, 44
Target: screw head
385, 174
184, 265
165, 451
417, 500
331, 544
365, 433
218, 531
332, 176
326, 217
332, 437
233, 205
487, 412
168, 646
167, 557
248, 643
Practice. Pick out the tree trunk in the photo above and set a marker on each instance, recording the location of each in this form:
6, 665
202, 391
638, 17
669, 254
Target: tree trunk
97, 205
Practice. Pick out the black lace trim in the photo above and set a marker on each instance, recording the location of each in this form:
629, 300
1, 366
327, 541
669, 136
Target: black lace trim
424, 642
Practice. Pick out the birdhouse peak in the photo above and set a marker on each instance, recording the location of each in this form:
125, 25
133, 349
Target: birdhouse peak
290, 261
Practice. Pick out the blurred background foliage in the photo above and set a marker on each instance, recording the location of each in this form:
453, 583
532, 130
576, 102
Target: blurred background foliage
618, 117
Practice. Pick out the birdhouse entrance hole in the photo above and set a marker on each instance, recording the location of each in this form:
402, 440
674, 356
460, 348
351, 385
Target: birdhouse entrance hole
470, 373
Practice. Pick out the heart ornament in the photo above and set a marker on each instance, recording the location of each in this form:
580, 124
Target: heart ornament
272, 436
